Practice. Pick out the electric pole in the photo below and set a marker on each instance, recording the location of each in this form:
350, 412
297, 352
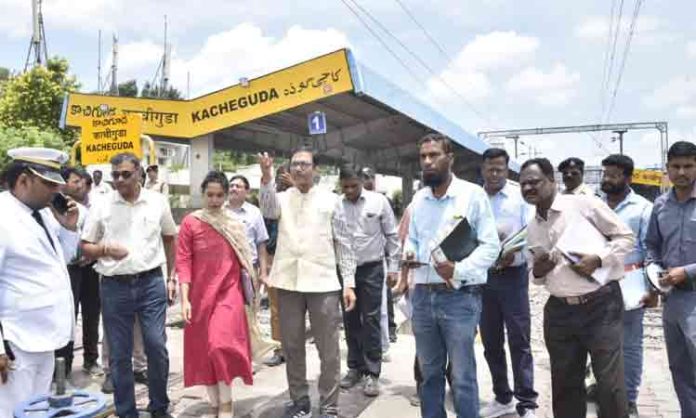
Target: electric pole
620, 134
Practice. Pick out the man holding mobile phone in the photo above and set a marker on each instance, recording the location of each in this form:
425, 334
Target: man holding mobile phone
36, 308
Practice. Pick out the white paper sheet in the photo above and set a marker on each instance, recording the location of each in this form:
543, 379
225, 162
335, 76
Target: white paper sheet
634, 287
580, 236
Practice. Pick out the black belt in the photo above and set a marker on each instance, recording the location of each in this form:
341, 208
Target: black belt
372, 263
588, 297
443, 287
135, 276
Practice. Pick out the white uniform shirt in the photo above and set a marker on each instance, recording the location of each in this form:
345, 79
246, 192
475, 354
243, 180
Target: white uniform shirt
138, 226
36, 302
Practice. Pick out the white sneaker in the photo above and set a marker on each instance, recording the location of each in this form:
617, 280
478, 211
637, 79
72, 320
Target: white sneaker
496, 409
529, 413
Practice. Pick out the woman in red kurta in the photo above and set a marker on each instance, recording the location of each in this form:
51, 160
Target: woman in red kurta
212, 252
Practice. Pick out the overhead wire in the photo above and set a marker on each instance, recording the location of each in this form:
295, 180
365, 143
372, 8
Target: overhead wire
624, 58
610, 27
422, 62
381, 41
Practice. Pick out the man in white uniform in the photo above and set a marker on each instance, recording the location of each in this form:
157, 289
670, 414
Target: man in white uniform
36, 303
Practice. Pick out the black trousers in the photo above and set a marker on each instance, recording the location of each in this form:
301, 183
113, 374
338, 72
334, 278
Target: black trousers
85, 288
571, 333
362, 324
506, 306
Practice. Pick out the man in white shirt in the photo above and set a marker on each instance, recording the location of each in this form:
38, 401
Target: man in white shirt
257, 236
36, 305
153, 181
129, 233
99, 187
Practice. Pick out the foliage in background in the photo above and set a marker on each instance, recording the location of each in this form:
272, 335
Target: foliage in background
35, 98
28, 136
153, 91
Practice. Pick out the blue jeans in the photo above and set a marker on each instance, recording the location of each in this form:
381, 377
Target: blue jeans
444, 323
679, 323
145, 297
633, 351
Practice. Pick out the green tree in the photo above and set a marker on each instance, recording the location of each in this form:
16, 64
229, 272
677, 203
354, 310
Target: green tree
28, 136
35, 98
128, 89
153, 91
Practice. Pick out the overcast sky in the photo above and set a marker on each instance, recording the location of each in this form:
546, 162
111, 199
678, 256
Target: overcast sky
519, 64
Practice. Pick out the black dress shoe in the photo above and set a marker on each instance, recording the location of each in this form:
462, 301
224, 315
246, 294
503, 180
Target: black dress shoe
108, 385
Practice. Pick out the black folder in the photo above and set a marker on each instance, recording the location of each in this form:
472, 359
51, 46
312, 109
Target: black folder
459, 243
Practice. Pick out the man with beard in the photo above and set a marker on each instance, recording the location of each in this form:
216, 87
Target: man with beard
671, 242
581, 316
447, 295
573, 172
634, 210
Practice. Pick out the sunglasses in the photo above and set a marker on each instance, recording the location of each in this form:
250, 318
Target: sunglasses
125, 174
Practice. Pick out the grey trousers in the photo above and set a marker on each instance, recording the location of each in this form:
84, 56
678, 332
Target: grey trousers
679, 323
325, 320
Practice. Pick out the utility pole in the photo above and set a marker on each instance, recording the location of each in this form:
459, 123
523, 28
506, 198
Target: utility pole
516, 138
114, 67
37, 45
164, 84
99, 77
620, 133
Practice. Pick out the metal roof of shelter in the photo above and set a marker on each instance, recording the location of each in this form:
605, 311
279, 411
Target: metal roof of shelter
370, 121
377, 124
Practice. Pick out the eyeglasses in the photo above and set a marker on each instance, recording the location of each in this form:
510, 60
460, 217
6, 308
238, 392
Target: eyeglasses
125, 174
301, 165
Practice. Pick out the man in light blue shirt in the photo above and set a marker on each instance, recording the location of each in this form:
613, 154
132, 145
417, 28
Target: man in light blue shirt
447, 296
634, 210
506, 298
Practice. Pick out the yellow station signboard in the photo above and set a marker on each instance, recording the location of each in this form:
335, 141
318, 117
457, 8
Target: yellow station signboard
102, 138
285, 89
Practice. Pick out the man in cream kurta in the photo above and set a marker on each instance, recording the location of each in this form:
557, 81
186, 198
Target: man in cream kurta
313, 239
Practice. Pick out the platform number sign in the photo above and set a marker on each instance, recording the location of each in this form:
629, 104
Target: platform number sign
317, 123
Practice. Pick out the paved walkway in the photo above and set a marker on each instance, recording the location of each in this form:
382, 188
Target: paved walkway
266, 399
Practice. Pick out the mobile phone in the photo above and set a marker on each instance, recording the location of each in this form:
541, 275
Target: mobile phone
60, 203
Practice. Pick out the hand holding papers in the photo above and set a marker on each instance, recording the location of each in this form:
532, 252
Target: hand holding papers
634, 288
510, 245
579, 241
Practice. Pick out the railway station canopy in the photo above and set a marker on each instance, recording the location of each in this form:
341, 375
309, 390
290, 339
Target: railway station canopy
369, 121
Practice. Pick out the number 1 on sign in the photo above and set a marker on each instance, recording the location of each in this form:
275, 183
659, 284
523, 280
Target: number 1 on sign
316, 122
